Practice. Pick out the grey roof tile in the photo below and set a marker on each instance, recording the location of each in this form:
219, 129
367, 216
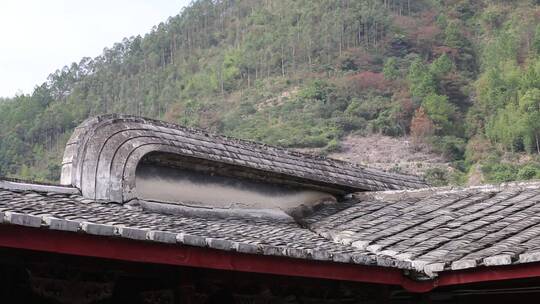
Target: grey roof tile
440, 229
427, 231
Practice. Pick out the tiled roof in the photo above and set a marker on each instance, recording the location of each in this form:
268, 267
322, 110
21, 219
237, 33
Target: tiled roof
422, 231
440, 229
103, 152
23, 205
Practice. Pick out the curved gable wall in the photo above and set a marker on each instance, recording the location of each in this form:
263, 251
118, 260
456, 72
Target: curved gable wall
103, 153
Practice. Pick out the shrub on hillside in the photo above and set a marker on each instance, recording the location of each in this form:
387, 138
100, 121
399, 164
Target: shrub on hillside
421, 125
527, 172
436, 177
496, 172
450, 147
369, 80
333, 146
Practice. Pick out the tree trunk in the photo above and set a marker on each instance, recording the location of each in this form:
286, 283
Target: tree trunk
282, 61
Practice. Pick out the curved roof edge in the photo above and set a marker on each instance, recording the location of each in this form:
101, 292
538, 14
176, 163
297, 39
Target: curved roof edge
103, 152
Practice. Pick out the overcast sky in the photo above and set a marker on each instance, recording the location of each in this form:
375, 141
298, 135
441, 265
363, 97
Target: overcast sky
38, 37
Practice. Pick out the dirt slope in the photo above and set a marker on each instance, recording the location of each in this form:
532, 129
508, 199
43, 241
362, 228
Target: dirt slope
389, 153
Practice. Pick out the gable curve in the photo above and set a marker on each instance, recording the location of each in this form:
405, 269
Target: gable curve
102, 155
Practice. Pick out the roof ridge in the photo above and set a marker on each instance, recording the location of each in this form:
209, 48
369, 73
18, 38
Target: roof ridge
400, 194
207, 133
21, 185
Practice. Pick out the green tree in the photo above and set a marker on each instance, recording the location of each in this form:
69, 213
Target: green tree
505, 127
536, 40
440, 111
530, 106
422, 82
441, 66
391, 69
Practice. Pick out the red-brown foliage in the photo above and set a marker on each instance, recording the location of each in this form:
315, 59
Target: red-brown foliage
407, 107
443, 49
369, 80
421, 125
174, 113
427, 33
406, 23
360, 58
422, 31
537, 14
478, 148
429, 16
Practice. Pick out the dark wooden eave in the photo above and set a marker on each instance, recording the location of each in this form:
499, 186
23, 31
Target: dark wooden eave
145, 252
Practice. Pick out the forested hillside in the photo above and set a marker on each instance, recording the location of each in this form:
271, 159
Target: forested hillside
461, 77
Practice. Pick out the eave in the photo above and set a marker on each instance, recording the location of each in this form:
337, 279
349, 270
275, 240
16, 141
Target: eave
37, 239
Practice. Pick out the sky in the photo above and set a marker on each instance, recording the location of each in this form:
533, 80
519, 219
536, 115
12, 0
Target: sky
37, 37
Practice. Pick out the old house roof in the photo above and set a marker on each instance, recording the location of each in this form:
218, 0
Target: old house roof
421, 231
103, 153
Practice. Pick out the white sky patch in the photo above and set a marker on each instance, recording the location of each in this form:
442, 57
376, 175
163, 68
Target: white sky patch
38, 37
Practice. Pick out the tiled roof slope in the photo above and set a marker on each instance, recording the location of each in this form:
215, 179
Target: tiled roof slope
421, 231
63, 210
103, 152
439, 229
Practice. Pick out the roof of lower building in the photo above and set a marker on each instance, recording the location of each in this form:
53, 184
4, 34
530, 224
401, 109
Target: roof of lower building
421, 231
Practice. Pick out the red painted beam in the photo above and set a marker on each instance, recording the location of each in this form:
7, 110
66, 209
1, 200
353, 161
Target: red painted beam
12, 236
491, 273
150, 252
